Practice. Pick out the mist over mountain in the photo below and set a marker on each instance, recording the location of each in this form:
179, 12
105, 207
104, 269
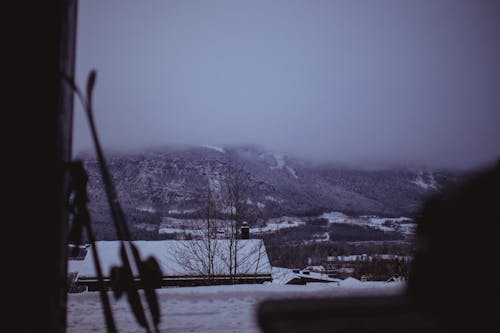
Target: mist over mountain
174, 181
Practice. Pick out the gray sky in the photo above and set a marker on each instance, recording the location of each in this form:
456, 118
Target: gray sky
348, 81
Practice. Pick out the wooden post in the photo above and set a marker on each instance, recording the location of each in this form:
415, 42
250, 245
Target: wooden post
63, 118
39, 139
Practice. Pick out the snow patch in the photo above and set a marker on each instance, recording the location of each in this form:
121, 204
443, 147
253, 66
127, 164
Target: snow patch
426, 181
380, 220
219, 149
229, 210
270, 198
401, 224
280, 164
336, 217
277, 224
350, 282
181, 211
292, 172
147, 209
280, 161
214, 185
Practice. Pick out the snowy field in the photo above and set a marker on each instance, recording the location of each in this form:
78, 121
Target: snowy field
212, 309
404, 225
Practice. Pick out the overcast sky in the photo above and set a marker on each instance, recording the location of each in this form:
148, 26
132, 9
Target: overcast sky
348, 81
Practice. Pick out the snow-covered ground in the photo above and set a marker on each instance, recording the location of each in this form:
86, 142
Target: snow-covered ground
181, 211
401, 224
276, 224
195, 227
212, 309
404, 225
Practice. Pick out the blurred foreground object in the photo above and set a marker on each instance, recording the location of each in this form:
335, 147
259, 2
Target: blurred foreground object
454, 277
453, 280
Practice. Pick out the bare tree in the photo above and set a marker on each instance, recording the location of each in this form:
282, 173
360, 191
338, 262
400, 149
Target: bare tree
211, 233
226, 193
251, 258
198, 256
236, 183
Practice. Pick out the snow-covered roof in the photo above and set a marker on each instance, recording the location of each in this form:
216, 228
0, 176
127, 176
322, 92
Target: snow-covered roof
185, 257
74, 266
283, 275
316, 276
319, 268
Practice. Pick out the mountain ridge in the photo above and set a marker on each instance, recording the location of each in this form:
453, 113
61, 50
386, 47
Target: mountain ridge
176, 179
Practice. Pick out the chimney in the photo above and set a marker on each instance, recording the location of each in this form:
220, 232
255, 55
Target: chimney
245, 231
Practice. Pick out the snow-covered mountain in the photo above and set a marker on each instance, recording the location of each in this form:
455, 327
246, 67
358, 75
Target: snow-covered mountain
174, 181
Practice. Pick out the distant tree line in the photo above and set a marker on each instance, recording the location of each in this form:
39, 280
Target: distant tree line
291, 255
378, 269
336, 232
351, 232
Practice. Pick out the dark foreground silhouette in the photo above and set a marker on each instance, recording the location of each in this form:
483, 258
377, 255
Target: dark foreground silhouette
453, 279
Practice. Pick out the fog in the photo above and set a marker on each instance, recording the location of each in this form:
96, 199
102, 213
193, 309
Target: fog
406, 82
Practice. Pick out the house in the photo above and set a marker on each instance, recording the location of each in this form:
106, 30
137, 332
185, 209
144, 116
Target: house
305, 276
283, 275
77, 252
316, 269
187, 262
76, 255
